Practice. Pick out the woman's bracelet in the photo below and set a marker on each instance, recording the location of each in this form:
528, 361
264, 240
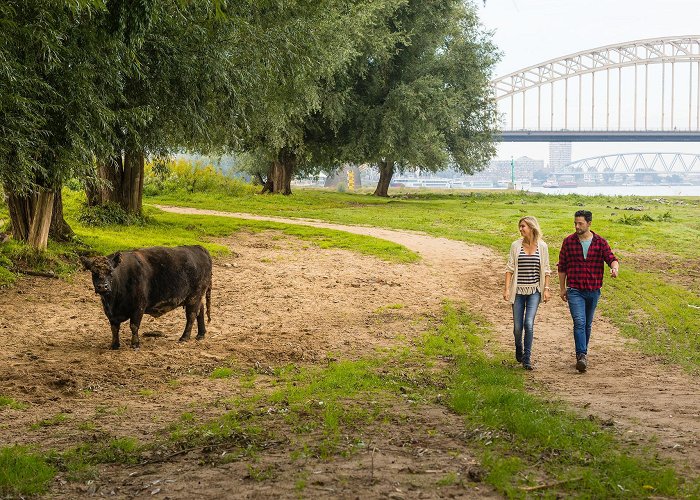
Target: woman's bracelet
547, 288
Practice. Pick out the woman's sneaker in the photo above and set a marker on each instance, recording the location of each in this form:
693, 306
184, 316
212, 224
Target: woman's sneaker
527, 366
581, 362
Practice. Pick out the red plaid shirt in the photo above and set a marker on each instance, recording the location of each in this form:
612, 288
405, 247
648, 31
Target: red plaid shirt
584, 274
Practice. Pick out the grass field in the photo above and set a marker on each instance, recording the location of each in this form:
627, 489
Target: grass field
656, 299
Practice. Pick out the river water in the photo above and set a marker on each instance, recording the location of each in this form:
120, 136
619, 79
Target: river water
622, 190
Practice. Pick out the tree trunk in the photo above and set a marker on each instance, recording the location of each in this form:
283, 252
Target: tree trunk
280, 174
21, 208
59, 230
41, 222
123, 182
134, 162
36, 216
386, 171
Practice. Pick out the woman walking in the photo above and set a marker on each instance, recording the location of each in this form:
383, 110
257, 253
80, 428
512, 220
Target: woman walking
527, 282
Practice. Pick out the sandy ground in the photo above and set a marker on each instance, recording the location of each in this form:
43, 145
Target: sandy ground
278, 300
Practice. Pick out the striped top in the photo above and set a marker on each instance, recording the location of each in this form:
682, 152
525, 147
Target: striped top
528, 272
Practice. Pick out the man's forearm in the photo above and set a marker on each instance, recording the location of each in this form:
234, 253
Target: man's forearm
562, 282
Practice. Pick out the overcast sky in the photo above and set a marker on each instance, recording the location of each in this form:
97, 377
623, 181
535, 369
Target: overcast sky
529, 32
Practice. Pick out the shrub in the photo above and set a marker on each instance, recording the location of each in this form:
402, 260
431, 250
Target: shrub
162, 177
109, 214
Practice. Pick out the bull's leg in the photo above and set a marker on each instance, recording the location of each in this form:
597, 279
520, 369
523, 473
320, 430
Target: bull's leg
201, 329
115, 335
134, 324
190, 314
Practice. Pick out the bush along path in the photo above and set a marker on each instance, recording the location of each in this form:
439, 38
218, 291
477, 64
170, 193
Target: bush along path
645, 400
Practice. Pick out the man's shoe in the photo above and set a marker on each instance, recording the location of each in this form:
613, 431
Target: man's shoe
581, 362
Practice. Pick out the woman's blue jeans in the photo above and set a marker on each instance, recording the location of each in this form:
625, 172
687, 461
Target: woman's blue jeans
582, 304
524, 310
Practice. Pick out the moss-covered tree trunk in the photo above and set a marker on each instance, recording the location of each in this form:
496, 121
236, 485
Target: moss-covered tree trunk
386, 172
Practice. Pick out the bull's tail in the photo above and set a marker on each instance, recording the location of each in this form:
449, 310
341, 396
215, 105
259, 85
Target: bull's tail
208, 303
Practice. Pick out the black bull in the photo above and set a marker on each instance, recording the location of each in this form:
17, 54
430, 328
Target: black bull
152, 281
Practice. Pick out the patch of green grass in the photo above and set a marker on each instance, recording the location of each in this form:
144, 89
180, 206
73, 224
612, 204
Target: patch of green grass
235, 429
146, 392
521, 436
23, 473
247, 381
121, 450
261, 473
7, 402
222, 372
87, 425
326, 400
665, 318
78, 463
388, 308
448, 480
301, 482
59, 260
187, 417
57, 419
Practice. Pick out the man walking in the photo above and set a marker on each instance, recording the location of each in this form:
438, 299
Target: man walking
581, 266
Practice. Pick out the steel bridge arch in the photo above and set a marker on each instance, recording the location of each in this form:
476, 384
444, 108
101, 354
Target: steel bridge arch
639, 90
669, 163
647, 51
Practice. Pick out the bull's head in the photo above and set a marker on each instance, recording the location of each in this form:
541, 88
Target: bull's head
102, 268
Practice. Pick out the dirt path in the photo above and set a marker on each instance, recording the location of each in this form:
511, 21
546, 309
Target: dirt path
638, 394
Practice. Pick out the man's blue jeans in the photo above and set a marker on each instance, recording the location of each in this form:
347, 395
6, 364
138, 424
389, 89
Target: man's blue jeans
582, 304
524, 310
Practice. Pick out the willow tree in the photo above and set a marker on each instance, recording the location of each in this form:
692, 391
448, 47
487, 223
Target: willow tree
429, 104
163, 62
299, 80
50, 106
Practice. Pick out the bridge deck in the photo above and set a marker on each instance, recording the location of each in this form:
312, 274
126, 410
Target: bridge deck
598, 136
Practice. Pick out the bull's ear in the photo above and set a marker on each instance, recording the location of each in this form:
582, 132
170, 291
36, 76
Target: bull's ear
87, 263
115, 259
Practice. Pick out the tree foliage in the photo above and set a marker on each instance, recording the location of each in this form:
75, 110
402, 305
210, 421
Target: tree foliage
427, 105
91, 88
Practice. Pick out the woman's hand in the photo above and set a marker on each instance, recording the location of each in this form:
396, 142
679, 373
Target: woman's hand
506, 294
547, 295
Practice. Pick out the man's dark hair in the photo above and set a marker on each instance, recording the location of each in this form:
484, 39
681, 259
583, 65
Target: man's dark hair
586, 214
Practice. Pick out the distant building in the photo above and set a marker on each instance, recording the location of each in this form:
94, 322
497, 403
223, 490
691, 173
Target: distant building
559, 154
525, 167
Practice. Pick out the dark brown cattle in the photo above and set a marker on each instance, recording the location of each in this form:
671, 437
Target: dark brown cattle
152, 281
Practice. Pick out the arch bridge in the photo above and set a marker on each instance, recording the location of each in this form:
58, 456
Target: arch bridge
643, 90
662, 163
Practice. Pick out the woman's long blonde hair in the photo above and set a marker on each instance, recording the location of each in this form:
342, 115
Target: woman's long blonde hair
534, 225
